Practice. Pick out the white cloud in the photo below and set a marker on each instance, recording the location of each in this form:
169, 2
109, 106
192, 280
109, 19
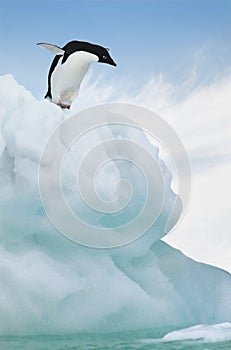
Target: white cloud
201, 115
203, 122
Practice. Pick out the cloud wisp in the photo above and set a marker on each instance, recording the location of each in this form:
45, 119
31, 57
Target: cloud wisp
200, 114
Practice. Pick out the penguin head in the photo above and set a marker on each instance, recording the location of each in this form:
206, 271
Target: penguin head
99, 51
104, 56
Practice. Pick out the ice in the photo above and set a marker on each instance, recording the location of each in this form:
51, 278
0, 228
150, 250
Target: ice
50, 284
208, 333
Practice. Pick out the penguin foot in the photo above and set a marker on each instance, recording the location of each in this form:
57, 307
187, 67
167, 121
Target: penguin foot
63, 105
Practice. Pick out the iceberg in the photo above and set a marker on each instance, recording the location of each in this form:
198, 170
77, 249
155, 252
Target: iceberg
50, 284
208, 333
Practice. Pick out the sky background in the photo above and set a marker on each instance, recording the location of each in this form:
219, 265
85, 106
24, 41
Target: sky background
174, 57
145, 37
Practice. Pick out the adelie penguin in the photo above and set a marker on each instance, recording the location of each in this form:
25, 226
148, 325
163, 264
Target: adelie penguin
69, 68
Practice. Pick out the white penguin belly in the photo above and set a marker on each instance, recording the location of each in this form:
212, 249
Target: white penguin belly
67, 77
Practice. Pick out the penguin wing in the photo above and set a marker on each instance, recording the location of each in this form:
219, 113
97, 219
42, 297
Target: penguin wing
52, 48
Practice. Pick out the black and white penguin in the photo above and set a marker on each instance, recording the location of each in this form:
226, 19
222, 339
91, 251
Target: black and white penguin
69, 68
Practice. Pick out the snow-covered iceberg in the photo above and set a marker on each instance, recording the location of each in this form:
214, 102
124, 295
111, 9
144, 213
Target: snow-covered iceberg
50, 284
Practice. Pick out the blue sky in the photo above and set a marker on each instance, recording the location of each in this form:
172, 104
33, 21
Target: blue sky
145, 37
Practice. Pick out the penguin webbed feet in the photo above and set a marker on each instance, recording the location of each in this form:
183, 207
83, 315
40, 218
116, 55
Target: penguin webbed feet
63, 105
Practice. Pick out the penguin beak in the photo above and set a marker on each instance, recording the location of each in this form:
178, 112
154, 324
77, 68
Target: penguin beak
111, 62
108, 60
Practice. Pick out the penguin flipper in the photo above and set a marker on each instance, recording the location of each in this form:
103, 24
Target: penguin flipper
52, 48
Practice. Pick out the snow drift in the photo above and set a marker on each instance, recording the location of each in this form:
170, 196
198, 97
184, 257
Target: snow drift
50, 284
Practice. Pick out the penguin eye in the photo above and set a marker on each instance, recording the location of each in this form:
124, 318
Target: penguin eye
104, 57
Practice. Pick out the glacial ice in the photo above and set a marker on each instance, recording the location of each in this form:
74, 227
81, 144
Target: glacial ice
49, 284
208, 333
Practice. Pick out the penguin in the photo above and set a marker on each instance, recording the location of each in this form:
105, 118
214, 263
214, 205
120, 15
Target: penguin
69, 67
